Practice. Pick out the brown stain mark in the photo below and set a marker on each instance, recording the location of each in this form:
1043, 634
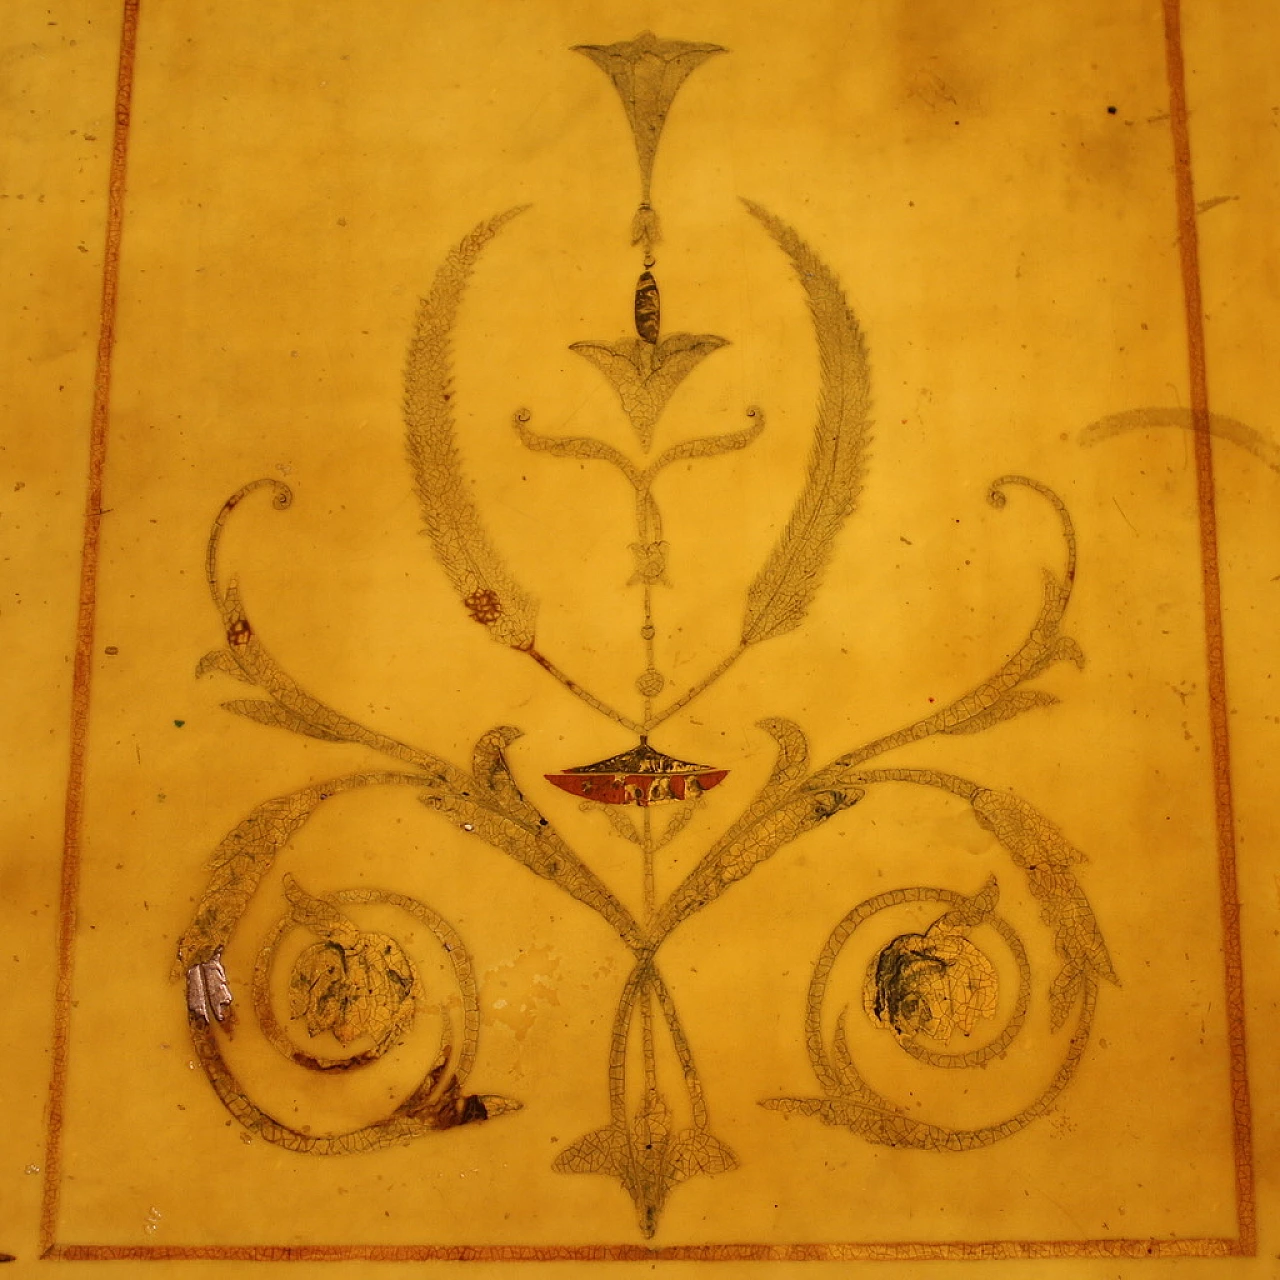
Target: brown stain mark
1219, 425
927, 85
82, 671
934, 75
483, 606
1228, 881
1103, 151
436, 1103
1203, 206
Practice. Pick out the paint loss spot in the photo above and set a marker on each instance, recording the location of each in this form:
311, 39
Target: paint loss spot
514, 992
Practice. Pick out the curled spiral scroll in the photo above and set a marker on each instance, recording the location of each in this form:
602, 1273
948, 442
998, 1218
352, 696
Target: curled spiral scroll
240, 865
837, 1072
851, 1100
396, 1021
1040, 850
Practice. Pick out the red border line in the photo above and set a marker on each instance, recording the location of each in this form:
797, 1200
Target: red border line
1219, 733
73, 813
1244, 1245
888, 1251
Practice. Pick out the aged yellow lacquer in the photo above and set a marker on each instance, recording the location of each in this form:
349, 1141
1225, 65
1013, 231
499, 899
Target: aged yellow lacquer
666, 666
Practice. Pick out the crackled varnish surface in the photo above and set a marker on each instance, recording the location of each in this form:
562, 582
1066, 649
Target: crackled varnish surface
651, 676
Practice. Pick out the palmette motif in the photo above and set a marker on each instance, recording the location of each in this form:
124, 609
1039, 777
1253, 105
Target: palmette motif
362, 987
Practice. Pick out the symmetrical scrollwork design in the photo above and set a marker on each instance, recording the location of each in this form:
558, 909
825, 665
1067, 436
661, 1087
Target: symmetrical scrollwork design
361, 986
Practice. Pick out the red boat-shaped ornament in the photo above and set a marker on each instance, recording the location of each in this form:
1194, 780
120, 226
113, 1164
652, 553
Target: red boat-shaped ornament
640, 776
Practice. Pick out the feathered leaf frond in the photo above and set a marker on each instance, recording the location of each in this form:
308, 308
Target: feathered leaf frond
461, 544
782, 592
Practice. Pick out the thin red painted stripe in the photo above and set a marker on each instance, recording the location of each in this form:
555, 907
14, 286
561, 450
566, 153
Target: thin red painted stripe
1228, 884
73, 813
888, 1251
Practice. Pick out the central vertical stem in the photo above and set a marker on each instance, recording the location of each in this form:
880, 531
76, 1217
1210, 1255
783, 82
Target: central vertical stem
646, 849
650, 907
650, 1058
647, 634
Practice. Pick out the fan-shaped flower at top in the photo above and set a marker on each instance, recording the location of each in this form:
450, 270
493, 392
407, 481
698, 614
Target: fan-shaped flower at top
647, 73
